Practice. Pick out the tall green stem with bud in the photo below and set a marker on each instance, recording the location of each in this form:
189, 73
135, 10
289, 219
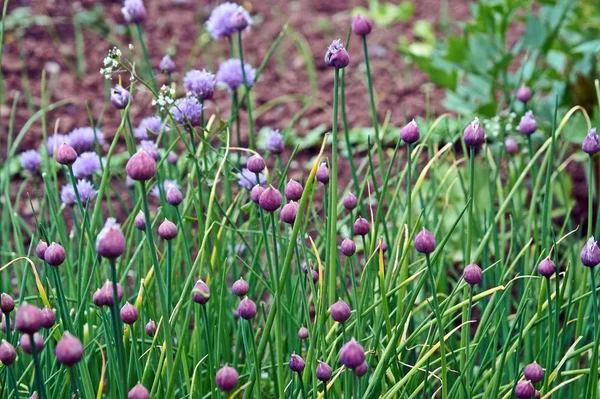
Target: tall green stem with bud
333, 196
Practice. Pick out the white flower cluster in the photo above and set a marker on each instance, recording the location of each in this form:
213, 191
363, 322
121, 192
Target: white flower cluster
165, 97
492, 126
111, 62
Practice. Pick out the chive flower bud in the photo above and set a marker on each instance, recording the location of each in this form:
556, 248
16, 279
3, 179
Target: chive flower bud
472, 274
322, 174
55, 255
524, 390
546, 268
350, 201
227, 378
151, 328
48, 318
120, 97
270, 199
201, 292
361, 370
348, 247
410, 133
140, 221
69, 350
167, 230
473, 134
524, 94
133, 11
66, 155
534, 372
138, 392
246, 309
336, 55
528, 124
239, 21
315, 276
25, 342
167, 65
352, 354
297, 364
340, 311
7, 303
293, 190
303, 333
590, 254
591, 142
174, 195
361, 226
110, 242
240, 287
141, 166
41, 248
288, 212
255, 164
323, 371
256, 192
8, 354
129, 314
511, 146
107, 293
425, 242
361, 25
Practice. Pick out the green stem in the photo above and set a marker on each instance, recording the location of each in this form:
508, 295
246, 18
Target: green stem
331, 262
169, 271
146, 57
13, 383
549, 353
590, 195
39, 378
117, 327
208, 349
248, 99
409, 186
593, 379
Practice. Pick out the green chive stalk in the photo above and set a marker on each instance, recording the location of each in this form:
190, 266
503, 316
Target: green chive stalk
117, 327
39, 377
440, 325
140, 33
592, 384
248, 99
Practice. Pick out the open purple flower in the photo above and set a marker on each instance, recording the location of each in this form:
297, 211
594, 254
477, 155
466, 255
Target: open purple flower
187, 110
150, 123
133, 11
336, 55
248, 179
86, 165
31, 161
82, 139
200, 83
230, 74
167, 65
86, 190
274, 142
221, 23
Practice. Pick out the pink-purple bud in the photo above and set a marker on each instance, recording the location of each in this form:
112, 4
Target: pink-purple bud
528, 124
66, 155
473, 134
140, 221
201, 292
425, 242
7, 303
167, 65
151, 328
322, 174
288, 212
534, 372
120, 97
227, 378
315, 276
591, 142
524, 94
138, 392
110, 242
361, 226
361, 25
270, 200
256, 192
590, 254
340, 311
25, 343
361, 370
323, 371
297, 364
239, 21
472, 274
8, 354
240, 287
546, 268
293, 190
69, 350
167, 230
348, 247
48, 318
350, 201
40, 249
141, 166
174, 196
524, 390
303, 333
336, 55
255, 164
410, 133
246, 309
511, 146
352, 354
55, 254
107, 294
28, 319
129, 314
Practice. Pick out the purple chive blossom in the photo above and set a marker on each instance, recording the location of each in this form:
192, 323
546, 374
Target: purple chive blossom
120, 97
591, 143
167, 184
151, 148
54, 142
86, 190
274, 142
152, 124
590, 254
133, 11
86, 165
248, 180
528, 124
82, 139
230, 74
220, 22
187, 110
31, 161
336, 55
167, 64
200, 83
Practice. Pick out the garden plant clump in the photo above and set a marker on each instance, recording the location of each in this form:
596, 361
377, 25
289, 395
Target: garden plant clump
191, 255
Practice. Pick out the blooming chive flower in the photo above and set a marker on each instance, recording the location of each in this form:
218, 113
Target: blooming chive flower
248, 179
187, 110
167, 65
336, 55
86, 191
31, 161
590, 254
133, 11
274, 142
528, 124
200, 83
82, 139
54, 142
221, 22
591, 143
120, 97
110, 242
230, 74
150, 123
86, 164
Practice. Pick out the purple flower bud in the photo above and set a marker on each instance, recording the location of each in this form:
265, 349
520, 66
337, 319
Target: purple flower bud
348, 247
352, 354
323, 173
361, 370
472, 274
591, 142
41, 248
288, 212
99, 298
200, 83
474, 135
138, 392
167, 230
110, 242
172, 158
69, 350
120, 97
315, 276
528, 124
167, 65
534, 372
239, 21
201, 292
8, 354
129, 313
65, 155
340, 311
297, 363
546, 268
31, 161
336, 55
240, 287
151, 328
256, 193
55, 254
274, 142
350, 201
410, 133
48, 318
108, 295
227, 378
246, 309
7, 303
174, 196
133, 11
28, 319
221, 24
293, 190
425, 242
270, 200
361, 26
303, 333
255, 164
25, 343
323, 371
590, 254
524, 94
3, 322
537, 394
141, 166
361, 226
34, 396
524, 390
140, 221
511, 146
